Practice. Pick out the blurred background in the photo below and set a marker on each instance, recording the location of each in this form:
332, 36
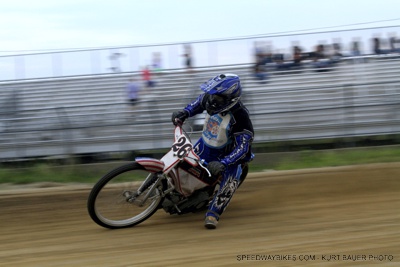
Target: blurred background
323, 87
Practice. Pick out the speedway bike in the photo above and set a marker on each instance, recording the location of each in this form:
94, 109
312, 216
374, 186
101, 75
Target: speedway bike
178, 183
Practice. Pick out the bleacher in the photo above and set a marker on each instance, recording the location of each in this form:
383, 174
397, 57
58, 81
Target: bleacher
89, 114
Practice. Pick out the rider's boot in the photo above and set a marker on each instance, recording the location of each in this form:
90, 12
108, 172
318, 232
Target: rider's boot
210, 222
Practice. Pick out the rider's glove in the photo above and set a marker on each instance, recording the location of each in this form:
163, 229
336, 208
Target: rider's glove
179, 116
216, 168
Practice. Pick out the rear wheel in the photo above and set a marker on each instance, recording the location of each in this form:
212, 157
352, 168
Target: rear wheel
113, 203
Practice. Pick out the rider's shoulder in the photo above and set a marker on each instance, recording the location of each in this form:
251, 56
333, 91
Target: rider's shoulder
240, 110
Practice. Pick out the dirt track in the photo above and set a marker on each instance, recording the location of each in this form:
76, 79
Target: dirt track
322, 217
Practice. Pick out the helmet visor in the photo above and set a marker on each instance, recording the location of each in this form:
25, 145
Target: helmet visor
217, 100
216, 103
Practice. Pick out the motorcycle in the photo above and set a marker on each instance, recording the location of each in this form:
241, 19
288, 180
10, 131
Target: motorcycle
178, 183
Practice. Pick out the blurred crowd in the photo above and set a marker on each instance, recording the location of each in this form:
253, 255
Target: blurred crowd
321, 58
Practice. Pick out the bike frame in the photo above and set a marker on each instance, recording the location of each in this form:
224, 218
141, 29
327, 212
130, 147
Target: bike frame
166, 167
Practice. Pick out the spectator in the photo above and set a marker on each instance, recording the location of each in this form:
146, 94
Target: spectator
262, 53
262, 57
188, 60
297, 56
146, 76
281, 64
293, 64
355, 49
260, 72
394, 44
320, 61
132, 90
377, 46
337, 53
319, 52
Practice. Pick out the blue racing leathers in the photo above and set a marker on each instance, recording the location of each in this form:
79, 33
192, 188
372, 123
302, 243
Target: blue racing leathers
227, 138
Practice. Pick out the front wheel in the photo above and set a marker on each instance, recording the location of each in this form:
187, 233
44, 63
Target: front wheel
112, 203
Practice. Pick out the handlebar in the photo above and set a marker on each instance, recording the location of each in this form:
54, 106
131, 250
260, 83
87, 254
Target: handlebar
203, 164
178, 122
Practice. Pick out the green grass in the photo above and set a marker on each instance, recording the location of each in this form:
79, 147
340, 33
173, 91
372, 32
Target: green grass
42, 172
305, 159
47, 173
330, 158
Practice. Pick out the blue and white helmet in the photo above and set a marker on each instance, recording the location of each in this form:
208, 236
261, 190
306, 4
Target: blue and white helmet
222, 93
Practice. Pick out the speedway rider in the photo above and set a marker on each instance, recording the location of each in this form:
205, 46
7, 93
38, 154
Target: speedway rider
226, 139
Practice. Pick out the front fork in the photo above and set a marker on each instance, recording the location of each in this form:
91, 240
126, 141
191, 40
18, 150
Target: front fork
156, 181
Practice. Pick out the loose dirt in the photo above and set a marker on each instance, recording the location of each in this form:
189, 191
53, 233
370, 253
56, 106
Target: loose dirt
342, 216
